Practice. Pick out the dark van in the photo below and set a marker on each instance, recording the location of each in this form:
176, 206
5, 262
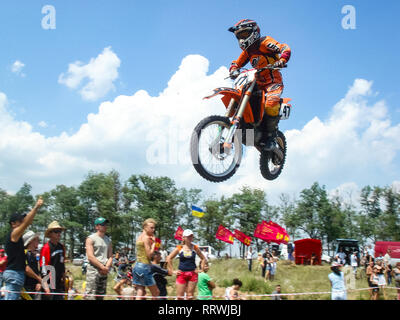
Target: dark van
348, 246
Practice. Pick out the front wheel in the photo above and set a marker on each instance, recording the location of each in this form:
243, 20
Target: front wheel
211, 159
271, 164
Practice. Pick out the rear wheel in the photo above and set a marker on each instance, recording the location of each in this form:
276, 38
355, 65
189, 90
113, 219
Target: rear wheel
271, 163
210, 158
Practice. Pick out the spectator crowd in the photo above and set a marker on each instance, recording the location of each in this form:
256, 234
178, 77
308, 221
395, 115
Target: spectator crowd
32, 274
378, 271
28, 273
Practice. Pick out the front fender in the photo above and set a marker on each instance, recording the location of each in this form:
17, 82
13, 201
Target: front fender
227, 93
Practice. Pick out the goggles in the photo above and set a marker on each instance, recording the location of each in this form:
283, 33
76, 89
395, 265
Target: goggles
243, 33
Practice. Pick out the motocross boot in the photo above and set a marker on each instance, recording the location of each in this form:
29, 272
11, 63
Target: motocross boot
270, 130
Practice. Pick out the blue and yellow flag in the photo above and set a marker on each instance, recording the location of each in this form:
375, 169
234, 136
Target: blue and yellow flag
197, 212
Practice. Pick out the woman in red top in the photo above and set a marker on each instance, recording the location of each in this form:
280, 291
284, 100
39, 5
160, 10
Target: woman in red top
187, 277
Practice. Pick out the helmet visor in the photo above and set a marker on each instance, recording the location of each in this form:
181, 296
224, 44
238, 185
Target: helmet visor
243, 33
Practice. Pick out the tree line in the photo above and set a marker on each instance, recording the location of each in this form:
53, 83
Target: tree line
126, 204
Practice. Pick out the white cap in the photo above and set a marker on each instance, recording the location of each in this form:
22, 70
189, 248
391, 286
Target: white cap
187, 233
28, 237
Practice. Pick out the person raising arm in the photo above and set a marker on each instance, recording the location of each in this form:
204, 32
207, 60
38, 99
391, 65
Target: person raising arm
14, 275
19, 226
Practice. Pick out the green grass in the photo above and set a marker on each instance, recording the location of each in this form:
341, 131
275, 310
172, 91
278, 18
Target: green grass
292, 278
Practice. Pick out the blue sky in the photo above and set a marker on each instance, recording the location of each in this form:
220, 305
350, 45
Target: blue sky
151, 39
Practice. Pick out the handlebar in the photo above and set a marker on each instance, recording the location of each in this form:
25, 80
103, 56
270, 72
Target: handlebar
236, 72
271, 67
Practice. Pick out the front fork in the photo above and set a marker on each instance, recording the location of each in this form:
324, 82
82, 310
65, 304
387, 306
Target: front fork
236, 119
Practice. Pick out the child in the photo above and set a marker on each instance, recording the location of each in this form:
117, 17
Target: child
204, 284
260, 261
159, 274
124, 277
375, 283
273, 268
232, 293
128, 293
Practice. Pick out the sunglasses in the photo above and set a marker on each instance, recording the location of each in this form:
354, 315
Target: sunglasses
104, 224
56, 231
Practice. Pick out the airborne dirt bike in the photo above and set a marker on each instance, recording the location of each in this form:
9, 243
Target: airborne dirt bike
216, 143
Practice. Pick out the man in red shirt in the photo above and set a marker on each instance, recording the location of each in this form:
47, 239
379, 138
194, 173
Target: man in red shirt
53, 254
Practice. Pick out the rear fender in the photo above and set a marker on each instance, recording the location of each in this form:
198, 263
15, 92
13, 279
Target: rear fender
286, 100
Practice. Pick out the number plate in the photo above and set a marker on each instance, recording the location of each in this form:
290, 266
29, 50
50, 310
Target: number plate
284, 111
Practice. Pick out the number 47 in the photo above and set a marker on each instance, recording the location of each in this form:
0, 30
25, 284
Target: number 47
284, 112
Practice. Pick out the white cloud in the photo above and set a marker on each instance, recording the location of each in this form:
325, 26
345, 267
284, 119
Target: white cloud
17, 67
117, 136
355, 146
43, 124
100, 73
357, 143
396, 186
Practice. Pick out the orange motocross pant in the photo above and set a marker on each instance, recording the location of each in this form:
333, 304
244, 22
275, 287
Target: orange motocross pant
273, 95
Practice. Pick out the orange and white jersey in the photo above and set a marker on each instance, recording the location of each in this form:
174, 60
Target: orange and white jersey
266, 51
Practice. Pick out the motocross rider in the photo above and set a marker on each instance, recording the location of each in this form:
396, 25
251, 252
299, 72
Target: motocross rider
260, 52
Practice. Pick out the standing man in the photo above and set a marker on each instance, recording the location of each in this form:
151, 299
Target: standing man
14, 275
264, 265
164, 255
99, 253
342, 256
371, 253
52, 257
290, 250
354, 263
249, 257
387, 257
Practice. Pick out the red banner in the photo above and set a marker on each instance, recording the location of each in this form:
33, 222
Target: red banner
158, 244
265, 232
271, 231
275, 225
178, 233
224, 234
242, 237
282, 235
